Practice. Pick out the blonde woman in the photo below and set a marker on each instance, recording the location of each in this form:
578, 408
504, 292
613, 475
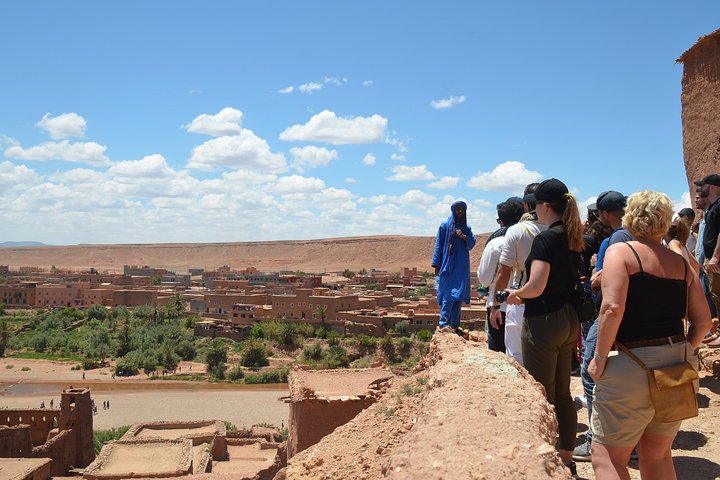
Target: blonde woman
646, 291
550, 326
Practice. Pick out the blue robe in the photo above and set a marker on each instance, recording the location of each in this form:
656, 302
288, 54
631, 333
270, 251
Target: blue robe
454, 281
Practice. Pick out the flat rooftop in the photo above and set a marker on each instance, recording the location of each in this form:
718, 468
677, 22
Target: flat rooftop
335, 383
21, 468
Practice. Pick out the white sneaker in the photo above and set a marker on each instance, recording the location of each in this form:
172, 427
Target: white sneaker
581, 401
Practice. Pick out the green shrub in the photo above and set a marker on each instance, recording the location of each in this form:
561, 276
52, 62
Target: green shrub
101, 437
236, 373
366, 343
404, 346
25, 369
256, 331
402, 326
218, 372
336, 356
270, 376
76, 367
230, 427
423, 335
90, 364
387, 345
9, 366
333, 338
313, 352
254, 354
305, 330
125, 367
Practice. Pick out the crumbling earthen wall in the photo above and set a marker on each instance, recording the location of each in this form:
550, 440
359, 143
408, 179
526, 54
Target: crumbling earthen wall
322, 400
40, 421
64, 435
701, 108
15, 441
213, 434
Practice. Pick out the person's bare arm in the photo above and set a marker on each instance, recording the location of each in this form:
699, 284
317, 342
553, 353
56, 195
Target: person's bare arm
714, 262
615, 280
539, 274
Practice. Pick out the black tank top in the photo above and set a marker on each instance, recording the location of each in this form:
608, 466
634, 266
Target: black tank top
655, 306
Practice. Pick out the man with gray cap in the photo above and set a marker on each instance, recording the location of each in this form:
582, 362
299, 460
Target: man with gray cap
611, 208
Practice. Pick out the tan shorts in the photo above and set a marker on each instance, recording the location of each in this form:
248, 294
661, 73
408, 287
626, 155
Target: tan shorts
622, 409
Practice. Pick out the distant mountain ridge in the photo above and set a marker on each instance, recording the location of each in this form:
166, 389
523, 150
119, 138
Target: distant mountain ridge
22, 244
388, 252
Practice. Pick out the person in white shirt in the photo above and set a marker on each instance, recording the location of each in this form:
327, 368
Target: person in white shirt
509, 213
511, 272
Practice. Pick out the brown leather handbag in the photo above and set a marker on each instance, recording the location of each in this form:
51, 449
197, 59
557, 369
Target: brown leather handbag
672, 389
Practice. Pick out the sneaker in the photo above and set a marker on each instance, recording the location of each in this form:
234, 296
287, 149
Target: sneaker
581, 401
582, 453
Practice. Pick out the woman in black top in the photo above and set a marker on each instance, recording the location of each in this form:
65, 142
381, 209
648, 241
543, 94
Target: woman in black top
550, 327
647, 291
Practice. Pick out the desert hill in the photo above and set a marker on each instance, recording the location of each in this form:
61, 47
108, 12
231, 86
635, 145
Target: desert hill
390, 253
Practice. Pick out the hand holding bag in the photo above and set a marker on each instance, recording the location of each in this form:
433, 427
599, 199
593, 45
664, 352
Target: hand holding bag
672, 389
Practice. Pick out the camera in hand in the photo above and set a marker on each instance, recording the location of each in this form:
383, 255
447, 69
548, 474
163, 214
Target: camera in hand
501, 297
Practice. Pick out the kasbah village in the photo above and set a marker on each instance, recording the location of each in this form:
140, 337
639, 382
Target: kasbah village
458, 411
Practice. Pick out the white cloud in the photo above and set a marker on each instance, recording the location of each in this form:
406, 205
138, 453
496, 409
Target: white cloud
309, 87
416, 198
12, 175
392, 139
367, 83
405, 173
326, 127
369, 159
62, 126
151, 166
350, 180
397, 158
82, 152
79, 176
445, 182
335, 80
245, 151
510, 176
447, 102
297, 184
227, 121
683, 202
312, 157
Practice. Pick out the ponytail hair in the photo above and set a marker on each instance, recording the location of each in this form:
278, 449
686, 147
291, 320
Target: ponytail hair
572, 224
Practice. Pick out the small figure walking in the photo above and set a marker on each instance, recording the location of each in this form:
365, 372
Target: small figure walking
51, 403
83, 375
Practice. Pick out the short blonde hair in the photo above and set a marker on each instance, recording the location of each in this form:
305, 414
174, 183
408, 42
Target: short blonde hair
648, 214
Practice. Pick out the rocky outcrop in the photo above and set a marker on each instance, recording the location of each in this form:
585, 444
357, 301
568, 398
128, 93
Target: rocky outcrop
470, 413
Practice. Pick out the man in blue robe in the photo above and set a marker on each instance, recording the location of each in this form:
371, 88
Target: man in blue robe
451, 261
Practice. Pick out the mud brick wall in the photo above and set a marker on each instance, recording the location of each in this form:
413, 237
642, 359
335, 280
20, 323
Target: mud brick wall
40, 421
15, 441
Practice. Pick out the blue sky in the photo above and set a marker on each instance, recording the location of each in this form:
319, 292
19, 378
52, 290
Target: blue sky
144, 122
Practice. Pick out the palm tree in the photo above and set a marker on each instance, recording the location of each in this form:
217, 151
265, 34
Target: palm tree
321, 310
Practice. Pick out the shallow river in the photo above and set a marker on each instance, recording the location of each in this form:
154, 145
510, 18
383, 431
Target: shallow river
243, 405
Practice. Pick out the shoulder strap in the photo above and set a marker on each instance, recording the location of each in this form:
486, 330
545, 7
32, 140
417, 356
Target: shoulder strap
636, 255
527, 229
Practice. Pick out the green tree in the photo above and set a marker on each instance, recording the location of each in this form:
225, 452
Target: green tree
97, 312
322, 311
254, 354
363, 271
347, 273
168, 359
156, 280
216, 356
402, 326
176, 306
4, 336
124, 339
98, 343
2, 308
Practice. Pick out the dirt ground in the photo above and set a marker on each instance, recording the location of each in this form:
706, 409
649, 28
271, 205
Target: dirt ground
137, 399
